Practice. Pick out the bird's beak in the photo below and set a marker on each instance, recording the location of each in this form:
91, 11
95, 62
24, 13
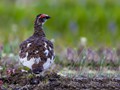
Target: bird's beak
48, 17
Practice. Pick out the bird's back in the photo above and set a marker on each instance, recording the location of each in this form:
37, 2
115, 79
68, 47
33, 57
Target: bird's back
36, 53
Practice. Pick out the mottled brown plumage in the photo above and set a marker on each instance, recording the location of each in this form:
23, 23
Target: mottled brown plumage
37, 51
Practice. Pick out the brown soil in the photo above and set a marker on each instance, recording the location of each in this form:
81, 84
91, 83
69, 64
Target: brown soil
24, 81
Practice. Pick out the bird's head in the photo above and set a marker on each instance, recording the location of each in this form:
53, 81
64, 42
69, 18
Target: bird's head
41, 19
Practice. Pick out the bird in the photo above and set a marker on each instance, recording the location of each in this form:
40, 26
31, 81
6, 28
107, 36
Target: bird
37, 52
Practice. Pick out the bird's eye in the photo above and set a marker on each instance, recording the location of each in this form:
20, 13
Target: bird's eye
42, 19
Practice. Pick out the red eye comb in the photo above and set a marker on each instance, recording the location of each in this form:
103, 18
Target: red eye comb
43, 15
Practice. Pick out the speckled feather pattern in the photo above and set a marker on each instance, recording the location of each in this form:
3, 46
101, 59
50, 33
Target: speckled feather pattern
37, 47
37, 53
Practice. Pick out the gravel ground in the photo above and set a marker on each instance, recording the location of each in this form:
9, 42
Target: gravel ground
25, 81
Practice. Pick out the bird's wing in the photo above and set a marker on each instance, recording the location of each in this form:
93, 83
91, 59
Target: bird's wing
39, 49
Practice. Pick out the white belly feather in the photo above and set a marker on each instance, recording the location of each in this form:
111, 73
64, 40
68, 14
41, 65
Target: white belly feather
29, 63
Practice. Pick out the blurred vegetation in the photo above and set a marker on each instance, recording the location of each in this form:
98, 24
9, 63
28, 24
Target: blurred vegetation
97, 20
74, 25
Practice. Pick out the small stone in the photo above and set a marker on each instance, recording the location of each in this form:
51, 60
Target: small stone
34, 81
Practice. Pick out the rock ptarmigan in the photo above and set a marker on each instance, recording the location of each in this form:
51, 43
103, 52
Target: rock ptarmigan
37, 53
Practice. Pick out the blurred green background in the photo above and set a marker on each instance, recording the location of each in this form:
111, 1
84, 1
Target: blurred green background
96, 20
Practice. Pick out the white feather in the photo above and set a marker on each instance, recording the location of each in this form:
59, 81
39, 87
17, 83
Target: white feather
28, 44
46, 52
45, 45
37, 60
48, 64
36, 52
27, 63
50, 48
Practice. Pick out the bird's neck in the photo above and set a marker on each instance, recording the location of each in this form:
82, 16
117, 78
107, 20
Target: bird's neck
38, 31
